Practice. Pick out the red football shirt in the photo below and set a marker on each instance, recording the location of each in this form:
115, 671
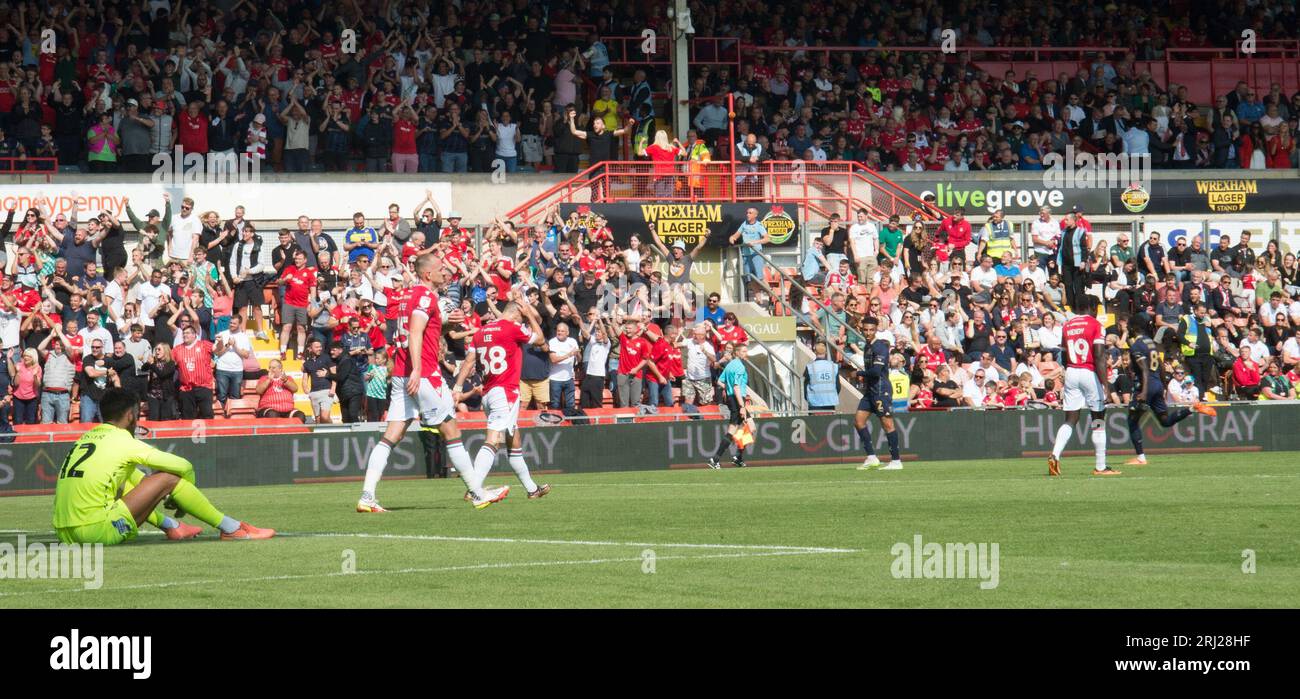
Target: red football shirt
424, 301
194, 365
631, 351
192, 133
1081, 335
299, 283
736, 335
668, 359
500, 355
403, 137
501, 273
342, 314
395, 298
932, 359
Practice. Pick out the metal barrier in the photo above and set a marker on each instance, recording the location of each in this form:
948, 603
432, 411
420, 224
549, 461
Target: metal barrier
822, 188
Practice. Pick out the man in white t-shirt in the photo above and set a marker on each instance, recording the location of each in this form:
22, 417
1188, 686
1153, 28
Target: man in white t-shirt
151, 296
974, 387
1291, 351
115, 293
1032, 270
10, 324
1258, 350
1043, 233
184, 234
360, 286
232, 348
699, 356
94, 331
864, 238
983, 278
564, 350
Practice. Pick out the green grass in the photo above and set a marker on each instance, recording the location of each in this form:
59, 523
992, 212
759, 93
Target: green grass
1168, 535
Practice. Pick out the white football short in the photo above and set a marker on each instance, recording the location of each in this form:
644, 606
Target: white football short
431, 405
1082, 390
502, 413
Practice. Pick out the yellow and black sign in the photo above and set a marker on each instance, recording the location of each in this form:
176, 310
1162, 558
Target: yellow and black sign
1230, 195
687, 222
1227, 196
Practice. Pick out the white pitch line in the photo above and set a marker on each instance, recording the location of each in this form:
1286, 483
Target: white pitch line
566, 542
892, 481
506, 540
408, 571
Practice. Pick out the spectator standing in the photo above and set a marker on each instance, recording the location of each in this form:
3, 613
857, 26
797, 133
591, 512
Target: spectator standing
564, 351
663, 154
701, 358
752, 234
864, 242
506, 136
137, 144
360, 240
184, 234
376, 377
1195, 331
92, 382
194, 372
59, 372
821, 381
27, 374
162, 394
454, 136
347, 383
102, 147
232, 348
535, 377
595, 362
666, 357
633, 357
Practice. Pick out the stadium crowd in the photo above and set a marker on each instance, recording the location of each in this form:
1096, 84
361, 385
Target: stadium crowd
175, 319
975, 321
454, 87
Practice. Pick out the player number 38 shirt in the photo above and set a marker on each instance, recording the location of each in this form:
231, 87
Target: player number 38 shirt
498, 346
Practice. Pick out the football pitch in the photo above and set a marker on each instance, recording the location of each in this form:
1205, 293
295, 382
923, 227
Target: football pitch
1199, 530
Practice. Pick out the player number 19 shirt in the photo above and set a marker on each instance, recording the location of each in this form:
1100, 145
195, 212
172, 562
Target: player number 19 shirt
1080, 335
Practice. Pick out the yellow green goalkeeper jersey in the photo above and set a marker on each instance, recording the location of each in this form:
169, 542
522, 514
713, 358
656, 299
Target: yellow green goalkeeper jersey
93, 473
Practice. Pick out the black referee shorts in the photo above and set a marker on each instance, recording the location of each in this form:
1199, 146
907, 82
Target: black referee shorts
733, 406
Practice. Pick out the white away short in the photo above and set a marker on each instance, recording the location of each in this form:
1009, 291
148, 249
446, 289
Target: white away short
1082, 390
431, 405
502, 413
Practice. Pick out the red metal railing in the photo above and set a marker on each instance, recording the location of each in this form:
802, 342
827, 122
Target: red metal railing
709, 50
820, 188
17, 166
629, 50
571, 31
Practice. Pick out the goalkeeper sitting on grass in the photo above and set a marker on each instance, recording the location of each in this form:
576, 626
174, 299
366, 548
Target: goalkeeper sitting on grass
87, 506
